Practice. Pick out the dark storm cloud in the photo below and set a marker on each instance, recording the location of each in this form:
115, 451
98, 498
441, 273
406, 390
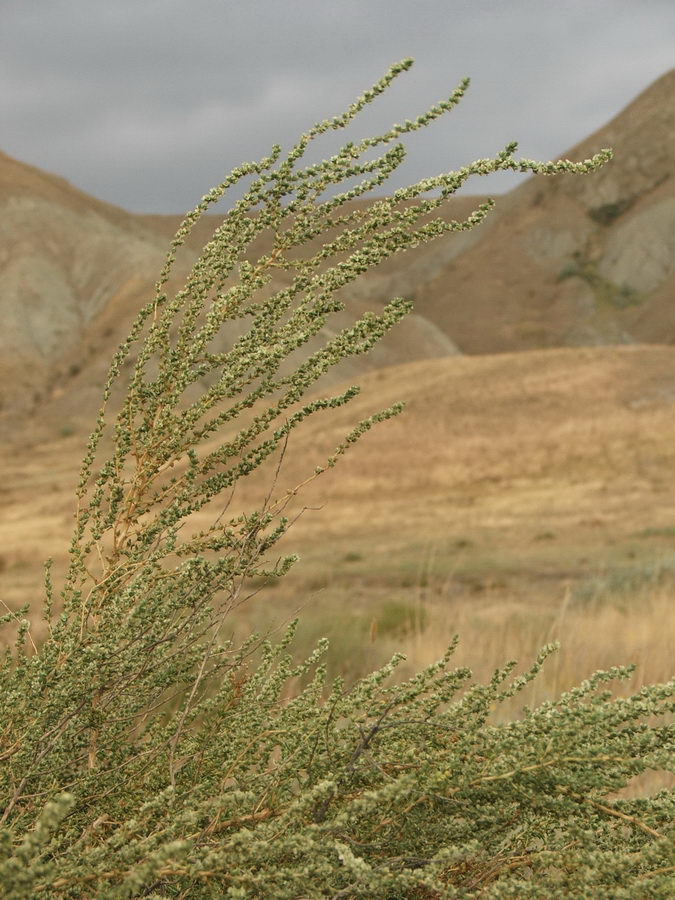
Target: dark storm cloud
147, 103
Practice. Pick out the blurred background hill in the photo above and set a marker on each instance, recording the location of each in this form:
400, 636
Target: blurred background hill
561, 262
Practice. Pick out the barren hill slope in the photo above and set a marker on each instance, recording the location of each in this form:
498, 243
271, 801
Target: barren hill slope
73, 273
64, 258
573, 261
568, 261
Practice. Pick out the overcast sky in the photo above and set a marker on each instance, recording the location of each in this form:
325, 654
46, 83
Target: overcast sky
148, 103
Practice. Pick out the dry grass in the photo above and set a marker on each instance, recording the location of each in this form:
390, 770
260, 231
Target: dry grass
521, 498
612, 619
599, 623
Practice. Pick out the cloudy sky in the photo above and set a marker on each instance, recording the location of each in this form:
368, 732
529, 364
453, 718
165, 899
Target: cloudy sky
148, 103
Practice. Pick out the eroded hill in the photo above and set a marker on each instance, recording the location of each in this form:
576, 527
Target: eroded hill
566, 261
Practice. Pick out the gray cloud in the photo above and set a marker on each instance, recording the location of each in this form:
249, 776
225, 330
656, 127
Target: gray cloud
147, 103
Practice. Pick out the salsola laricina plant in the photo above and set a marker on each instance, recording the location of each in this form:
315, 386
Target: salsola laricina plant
144, 755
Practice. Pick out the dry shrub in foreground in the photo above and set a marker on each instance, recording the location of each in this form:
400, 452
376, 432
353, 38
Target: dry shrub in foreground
143, 755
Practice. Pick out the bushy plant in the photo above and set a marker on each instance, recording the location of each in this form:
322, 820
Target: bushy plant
144, 755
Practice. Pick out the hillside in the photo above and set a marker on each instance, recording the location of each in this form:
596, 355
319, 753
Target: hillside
574, 261
73, 273
561, 262
65, 259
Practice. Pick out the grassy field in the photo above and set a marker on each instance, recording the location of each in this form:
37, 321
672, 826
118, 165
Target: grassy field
520, 499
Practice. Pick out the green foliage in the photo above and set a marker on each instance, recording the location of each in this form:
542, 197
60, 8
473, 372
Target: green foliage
352, 556
605, 292
625, 581
667, 531
610, 212
398, 618
143, 755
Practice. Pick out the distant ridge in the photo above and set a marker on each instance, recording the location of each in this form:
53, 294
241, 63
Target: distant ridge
65, 258
566, 261
575, 261
73, 272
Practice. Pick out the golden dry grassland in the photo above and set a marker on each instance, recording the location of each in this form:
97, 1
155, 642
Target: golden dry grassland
520, 499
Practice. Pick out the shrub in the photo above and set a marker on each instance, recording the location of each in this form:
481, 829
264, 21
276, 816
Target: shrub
143, 755
605, 292
609, 212
397, 618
